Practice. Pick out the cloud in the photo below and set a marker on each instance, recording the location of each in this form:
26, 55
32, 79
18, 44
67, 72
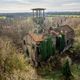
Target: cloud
51, 5
72, 6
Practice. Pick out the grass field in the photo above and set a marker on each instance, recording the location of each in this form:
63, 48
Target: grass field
14, 65
74, 16
2, 17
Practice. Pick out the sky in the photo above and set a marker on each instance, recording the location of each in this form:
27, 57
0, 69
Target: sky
10, 6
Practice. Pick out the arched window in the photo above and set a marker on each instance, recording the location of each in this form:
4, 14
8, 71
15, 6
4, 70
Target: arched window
68, 42
24, 42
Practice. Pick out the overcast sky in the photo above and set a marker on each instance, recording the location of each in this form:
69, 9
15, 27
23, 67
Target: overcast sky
50, 5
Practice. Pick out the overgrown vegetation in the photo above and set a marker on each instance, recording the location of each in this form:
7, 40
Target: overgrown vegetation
66, 71
13, 65
10, 59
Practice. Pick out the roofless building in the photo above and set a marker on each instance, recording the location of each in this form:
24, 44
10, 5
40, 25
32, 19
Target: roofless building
40, 45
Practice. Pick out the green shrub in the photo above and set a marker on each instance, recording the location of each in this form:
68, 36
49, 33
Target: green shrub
47, 48
66, 70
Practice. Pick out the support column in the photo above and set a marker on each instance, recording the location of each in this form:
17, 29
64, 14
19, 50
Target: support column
36, 13
39, 13
43, 14
33, 13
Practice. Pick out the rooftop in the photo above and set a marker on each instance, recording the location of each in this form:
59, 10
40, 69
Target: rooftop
36, 38
38, 9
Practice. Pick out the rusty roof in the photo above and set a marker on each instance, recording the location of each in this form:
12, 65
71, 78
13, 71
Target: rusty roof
66, 28
36, 37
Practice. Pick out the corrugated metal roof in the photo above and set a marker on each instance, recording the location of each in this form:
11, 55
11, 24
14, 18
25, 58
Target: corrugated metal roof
36, 37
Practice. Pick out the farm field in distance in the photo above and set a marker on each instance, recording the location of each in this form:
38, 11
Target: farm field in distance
13, 63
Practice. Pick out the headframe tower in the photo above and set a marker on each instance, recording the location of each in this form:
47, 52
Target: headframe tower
38, 18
